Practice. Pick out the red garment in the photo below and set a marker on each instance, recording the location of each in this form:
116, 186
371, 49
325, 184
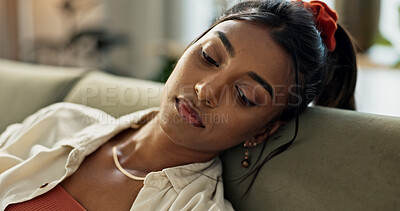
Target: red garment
56, 199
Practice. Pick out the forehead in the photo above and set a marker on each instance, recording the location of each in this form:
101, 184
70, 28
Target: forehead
255, 50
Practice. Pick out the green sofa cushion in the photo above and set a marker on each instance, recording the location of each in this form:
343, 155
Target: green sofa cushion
25, 88
115, 95
341, 160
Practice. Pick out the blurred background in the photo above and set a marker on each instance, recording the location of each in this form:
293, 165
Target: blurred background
143, 39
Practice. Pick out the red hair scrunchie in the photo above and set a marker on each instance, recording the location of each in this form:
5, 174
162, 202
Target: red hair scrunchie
325, 21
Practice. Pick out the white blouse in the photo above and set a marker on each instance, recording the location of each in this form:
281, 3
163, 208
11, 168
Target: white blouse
50, 145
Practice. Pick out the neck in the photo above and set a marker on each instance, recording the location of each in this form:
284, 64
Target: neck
150, 149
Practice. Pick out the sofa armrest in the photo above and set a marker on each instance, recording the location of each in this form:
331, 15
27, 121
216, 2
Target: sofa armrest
114, 94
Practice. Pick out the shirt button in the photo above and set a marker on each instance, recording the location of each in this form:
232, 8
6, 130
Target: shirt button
44, 185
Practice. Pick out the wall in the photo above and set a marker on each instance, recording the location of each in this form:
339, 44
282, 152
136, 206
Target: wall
8, 29
143, 24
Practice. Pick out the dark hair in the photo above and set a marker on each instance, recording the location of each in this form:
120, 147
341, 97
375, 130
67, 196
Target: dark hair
325, 78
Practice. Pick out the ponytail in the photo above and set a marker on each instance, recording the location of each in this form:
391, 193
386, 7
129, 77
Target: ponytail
339, 85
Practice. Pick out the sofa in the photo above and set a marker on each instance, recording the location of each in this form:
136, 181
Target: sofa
341, 160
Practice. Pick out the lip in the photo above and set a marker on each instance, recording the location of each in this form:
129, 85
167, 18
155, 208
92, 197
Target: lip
188, 113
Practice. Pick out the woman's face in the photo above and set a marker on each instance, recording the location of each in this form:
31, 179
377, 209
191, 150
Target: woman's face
226, 88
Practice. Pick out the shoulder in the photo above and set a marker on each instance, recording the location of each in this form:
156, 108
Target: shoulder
199, 186
54, 122
68, 108
67, 112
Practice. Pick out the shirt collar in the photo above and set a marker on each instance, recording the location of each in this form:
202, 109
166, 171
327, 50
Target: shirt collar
182, 176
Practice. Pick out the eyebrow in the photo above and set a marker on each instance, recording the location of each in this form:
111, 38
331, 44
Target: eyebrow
228, 46
262, 82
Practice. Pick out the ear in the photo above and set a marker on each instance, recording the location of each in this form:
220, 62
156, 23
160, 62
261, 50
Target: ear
263, 135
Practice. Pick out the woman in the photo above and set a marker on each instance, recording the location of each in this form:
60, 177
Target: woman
258, 66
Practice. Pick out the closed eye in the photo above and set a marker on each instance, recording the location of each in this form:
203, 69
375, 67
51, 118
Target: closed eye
243, 99
208, 59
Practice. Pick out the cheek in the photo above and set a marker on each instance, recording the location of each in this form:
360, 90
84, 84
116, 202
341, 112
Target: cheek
183, 74
186, 61
233, 128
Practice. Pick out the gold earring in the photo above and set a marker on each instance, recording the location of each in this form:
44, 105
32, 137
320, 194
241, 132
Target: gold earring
246, 161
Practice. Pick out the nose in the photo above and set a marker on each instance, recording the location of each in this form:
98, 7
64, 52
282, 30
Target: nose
208, 91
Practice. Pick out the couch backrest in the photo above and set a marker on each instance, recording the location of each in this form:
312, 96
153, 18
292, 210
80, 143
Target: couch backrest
25, 88
341, 160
